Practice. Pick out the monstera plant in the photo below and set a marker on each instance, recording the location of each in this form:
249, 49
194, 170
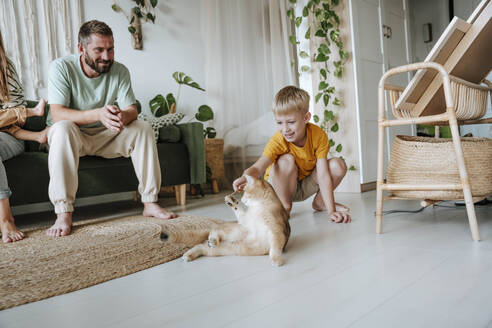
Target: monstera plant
160, 105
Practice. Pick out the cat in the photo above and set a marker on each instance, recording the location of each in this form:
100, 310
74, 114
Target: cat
262, 227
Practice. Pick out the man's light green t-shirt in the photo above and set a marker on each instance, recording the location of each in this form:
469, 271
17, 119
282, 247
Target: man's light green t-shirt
70, 87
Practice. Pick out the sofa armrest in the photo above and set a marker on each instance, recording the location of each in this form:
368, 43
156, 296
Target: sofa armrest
192, 136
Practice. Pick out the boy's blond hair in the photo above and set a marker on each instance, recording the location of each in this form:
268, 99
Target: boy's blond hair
291, 99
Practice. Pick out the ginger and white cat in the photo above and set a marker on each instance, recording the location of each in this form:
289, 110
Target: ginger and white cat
262, 227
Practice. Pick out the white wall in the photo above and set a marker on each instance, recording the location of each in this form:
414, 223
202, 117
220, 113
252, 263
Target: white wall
172, 44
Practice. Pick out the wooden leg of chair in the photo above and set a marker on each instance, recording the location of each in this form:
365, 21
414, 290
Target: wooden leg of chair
380, 181
180, 191
465, 182
215, 186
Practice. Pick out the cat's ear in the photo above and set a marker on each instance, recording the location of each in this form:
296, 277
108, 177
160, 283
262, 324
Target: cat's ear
249, 179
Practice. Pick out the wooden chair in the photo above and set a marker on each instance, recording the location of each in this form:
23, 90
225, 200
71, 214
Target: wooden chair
446, 90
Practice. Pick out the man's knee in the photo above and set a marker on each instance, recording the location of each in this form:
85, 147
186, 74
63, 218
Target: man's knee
141, 127
338, 166
62, 129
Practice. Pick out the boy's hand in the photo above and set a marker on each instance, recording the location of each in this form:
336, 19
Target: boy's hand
238, 184
340, 217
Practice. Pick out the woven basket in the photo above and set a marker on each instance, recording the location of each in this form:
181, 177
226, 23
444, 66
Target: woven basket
419, 160
214, 151
469, 99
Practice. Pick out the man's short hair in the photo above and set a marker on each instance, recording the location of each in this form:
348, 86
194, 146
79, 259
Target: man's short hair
93, 27
291, 99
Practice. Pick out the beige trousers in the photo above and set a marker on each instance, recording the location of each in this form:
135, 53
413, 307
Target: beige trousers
68, 142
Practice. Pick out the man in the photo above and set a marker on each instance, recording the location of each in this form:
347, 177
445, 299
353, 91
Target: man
83, 91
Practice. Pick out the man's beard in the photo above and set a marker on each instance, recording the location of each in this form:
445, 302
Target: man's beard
93, 64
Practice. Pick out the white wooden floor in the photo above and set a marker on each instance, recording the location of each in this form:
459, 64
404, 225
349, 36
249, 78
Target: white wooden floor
424, 271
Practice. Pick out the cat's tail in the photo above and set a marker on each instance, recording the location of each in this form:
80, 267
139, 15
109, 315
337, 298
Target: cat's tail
187, 230
190, 237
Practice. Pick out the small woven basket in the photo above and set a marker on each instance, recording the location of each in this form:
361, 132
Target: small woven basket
423, 161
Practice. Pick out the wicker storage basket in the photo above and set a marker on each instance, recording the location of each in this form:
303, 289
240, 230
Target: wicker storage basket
470, 100
214, 152
419, 160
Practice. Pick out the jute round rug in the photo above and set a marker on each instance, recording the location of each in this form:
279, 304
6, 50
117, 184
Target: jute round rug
39, 266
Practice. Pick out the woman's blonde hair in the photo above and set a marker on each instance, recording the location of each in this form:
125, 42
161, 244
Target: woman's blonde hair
291, 99
4, 77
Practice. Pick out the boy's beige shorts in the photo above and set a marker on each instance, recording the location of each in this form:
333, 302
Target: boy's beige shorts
305, 188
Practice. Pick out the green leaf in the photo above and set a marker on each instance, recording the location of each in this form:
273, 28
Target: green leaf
310, 4
170, 100
322, 72
132, 29
305, 11
137, 11
323, 48
321, 58
298, 21
158, 106
153, 3
332, 143
132, 20
308, 33
176, 76
181, 75
336, 102
334, 2
317, 98
329, 115
303, 54
351, 168
334, 128
290, 13
320, 33
338, 71
317, 1
322, 85
115, 7
305, 68
326, 99
205, 113
343, 54
195, 85
293, 39
209, 133
339, 148
187, 79
331, 90
334, 35
151, 17
292, 1
316, 118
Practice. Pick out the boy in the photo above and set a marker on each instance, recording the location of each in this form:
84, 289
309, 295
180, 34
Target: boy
295, 158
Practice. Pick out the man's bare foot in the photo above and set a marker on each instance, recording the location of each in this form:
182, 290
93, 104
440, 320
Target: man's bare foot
38, 110
42, 136
62, 226
154, 210
10, 233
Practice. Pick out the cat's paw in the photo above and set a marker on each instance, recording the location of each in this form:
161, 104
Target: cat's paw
231, 201
277, 260
213, 241
190, 255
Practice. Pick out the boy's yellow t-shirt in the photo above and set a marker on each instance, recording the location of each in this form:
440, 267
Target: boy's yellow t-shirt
317, 146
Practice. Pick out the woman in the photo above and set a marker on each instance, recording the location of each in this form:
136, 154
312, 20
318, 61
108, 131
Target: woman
13, 114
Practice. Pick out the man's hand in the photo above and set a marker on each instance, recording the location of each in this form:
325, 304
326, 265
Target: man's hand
239, 183
126, 117
340, 217
109, 117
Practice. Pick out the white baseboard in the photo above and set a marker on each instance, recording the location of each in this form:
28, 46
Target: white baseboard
47, 206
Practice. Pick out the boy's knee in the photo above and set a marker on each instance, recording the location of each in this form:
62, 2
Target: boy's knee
338, 166
287, 162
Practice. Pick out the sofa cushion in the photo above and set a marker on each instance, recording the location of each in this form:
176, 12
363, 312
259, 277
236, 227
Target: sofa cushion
169, 133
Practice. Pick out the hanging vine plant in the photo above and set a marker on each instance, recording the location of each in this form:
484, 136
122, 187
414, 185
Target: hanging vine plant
324, 31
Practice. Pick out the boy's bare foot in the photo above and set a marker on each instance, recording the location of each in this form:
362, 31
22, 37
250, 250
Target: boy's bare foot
154, 210
42, 136
38, 110
62, 226
320, 206
10, 233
